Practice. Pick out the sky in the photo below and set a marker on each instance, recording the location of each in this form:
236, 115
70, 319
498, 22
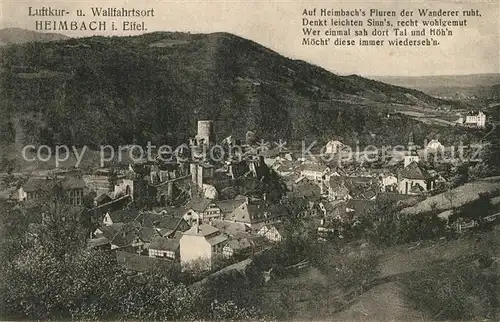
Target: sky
278, 25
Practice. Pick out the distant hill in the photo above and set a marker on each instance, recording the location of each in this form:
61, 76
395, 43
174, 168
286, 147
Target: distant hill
20, 36
474, 80
154, 87
483, 87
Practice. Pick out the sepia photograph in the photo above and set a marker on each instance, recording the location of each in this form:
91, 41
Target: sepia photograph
252, 160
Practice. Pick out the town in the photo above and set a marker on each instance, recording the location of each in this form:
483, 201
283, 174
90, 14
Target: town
196, 210
183, 176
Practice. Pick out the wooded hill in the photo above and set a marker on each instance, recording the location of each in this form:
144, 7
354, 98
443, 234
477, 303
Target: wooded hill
154, 87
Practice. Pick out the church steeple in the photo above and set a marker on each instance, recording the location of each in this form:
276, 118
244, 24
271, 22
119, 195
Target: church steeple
410, 141
412, 148
412, 155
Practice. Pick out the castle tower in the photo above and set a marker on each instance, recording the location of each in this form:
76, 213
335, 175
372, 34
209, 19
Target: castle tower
206, 132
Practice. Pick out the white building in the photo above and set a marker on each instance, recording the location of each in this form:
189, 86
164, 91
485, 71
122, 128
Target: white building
473, 120
333, 147
201, 243
434, 145
315, 172
415, 180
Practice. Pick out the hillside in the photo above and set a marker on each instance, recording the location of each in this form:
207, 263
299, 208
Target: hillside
456, 197
20, 36
154, 87
485, 87
462, 81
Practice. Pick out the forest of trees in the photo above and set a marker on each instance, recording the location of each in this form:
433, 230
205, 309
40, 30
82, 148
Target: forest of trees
49, 273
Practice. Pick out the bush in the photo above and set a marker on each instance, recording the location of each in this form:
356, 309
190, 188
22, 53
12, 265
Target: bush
458, 290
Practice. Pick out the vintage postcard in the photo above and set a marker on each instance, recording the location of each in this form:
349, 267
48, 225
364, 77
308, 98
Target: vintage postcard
250, 160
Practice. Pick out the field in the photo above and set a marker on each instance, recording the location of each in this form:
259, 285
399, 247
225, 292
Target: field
393, 293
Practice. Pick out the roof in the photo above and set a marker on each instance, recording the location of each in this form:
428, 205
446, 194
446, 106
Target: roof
146, 233
201, 230
285, 166
358, 187
280, 227
229, 205
121, 234
35, 184
163, 243
127, 215
313, 167
415, 171
96, 242
171, 211
217, 239
360, 206
173, 224
126, 235
110, 231
198, 204
306, 189
148, 219
248, 213
340, 189
230, 228
417, 189
245, 243
334, 142
104, 198
72, 182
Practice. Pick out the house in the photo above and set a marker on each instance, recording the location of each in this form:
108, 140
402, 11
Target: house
475, 120
307, 189
272, 232
337, 189
360, 206
201, 209
120, 216
201, 243
164, 247
122, 236
102, 199
243, 247
231, 229
34, 188
124, 187
148, 219
284, 168
146, 234
171, 225
74, 189
389, 183
254, 212
334, 146
414, 179
434, 146
332, 222
314, 171
229, 205
349, 187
